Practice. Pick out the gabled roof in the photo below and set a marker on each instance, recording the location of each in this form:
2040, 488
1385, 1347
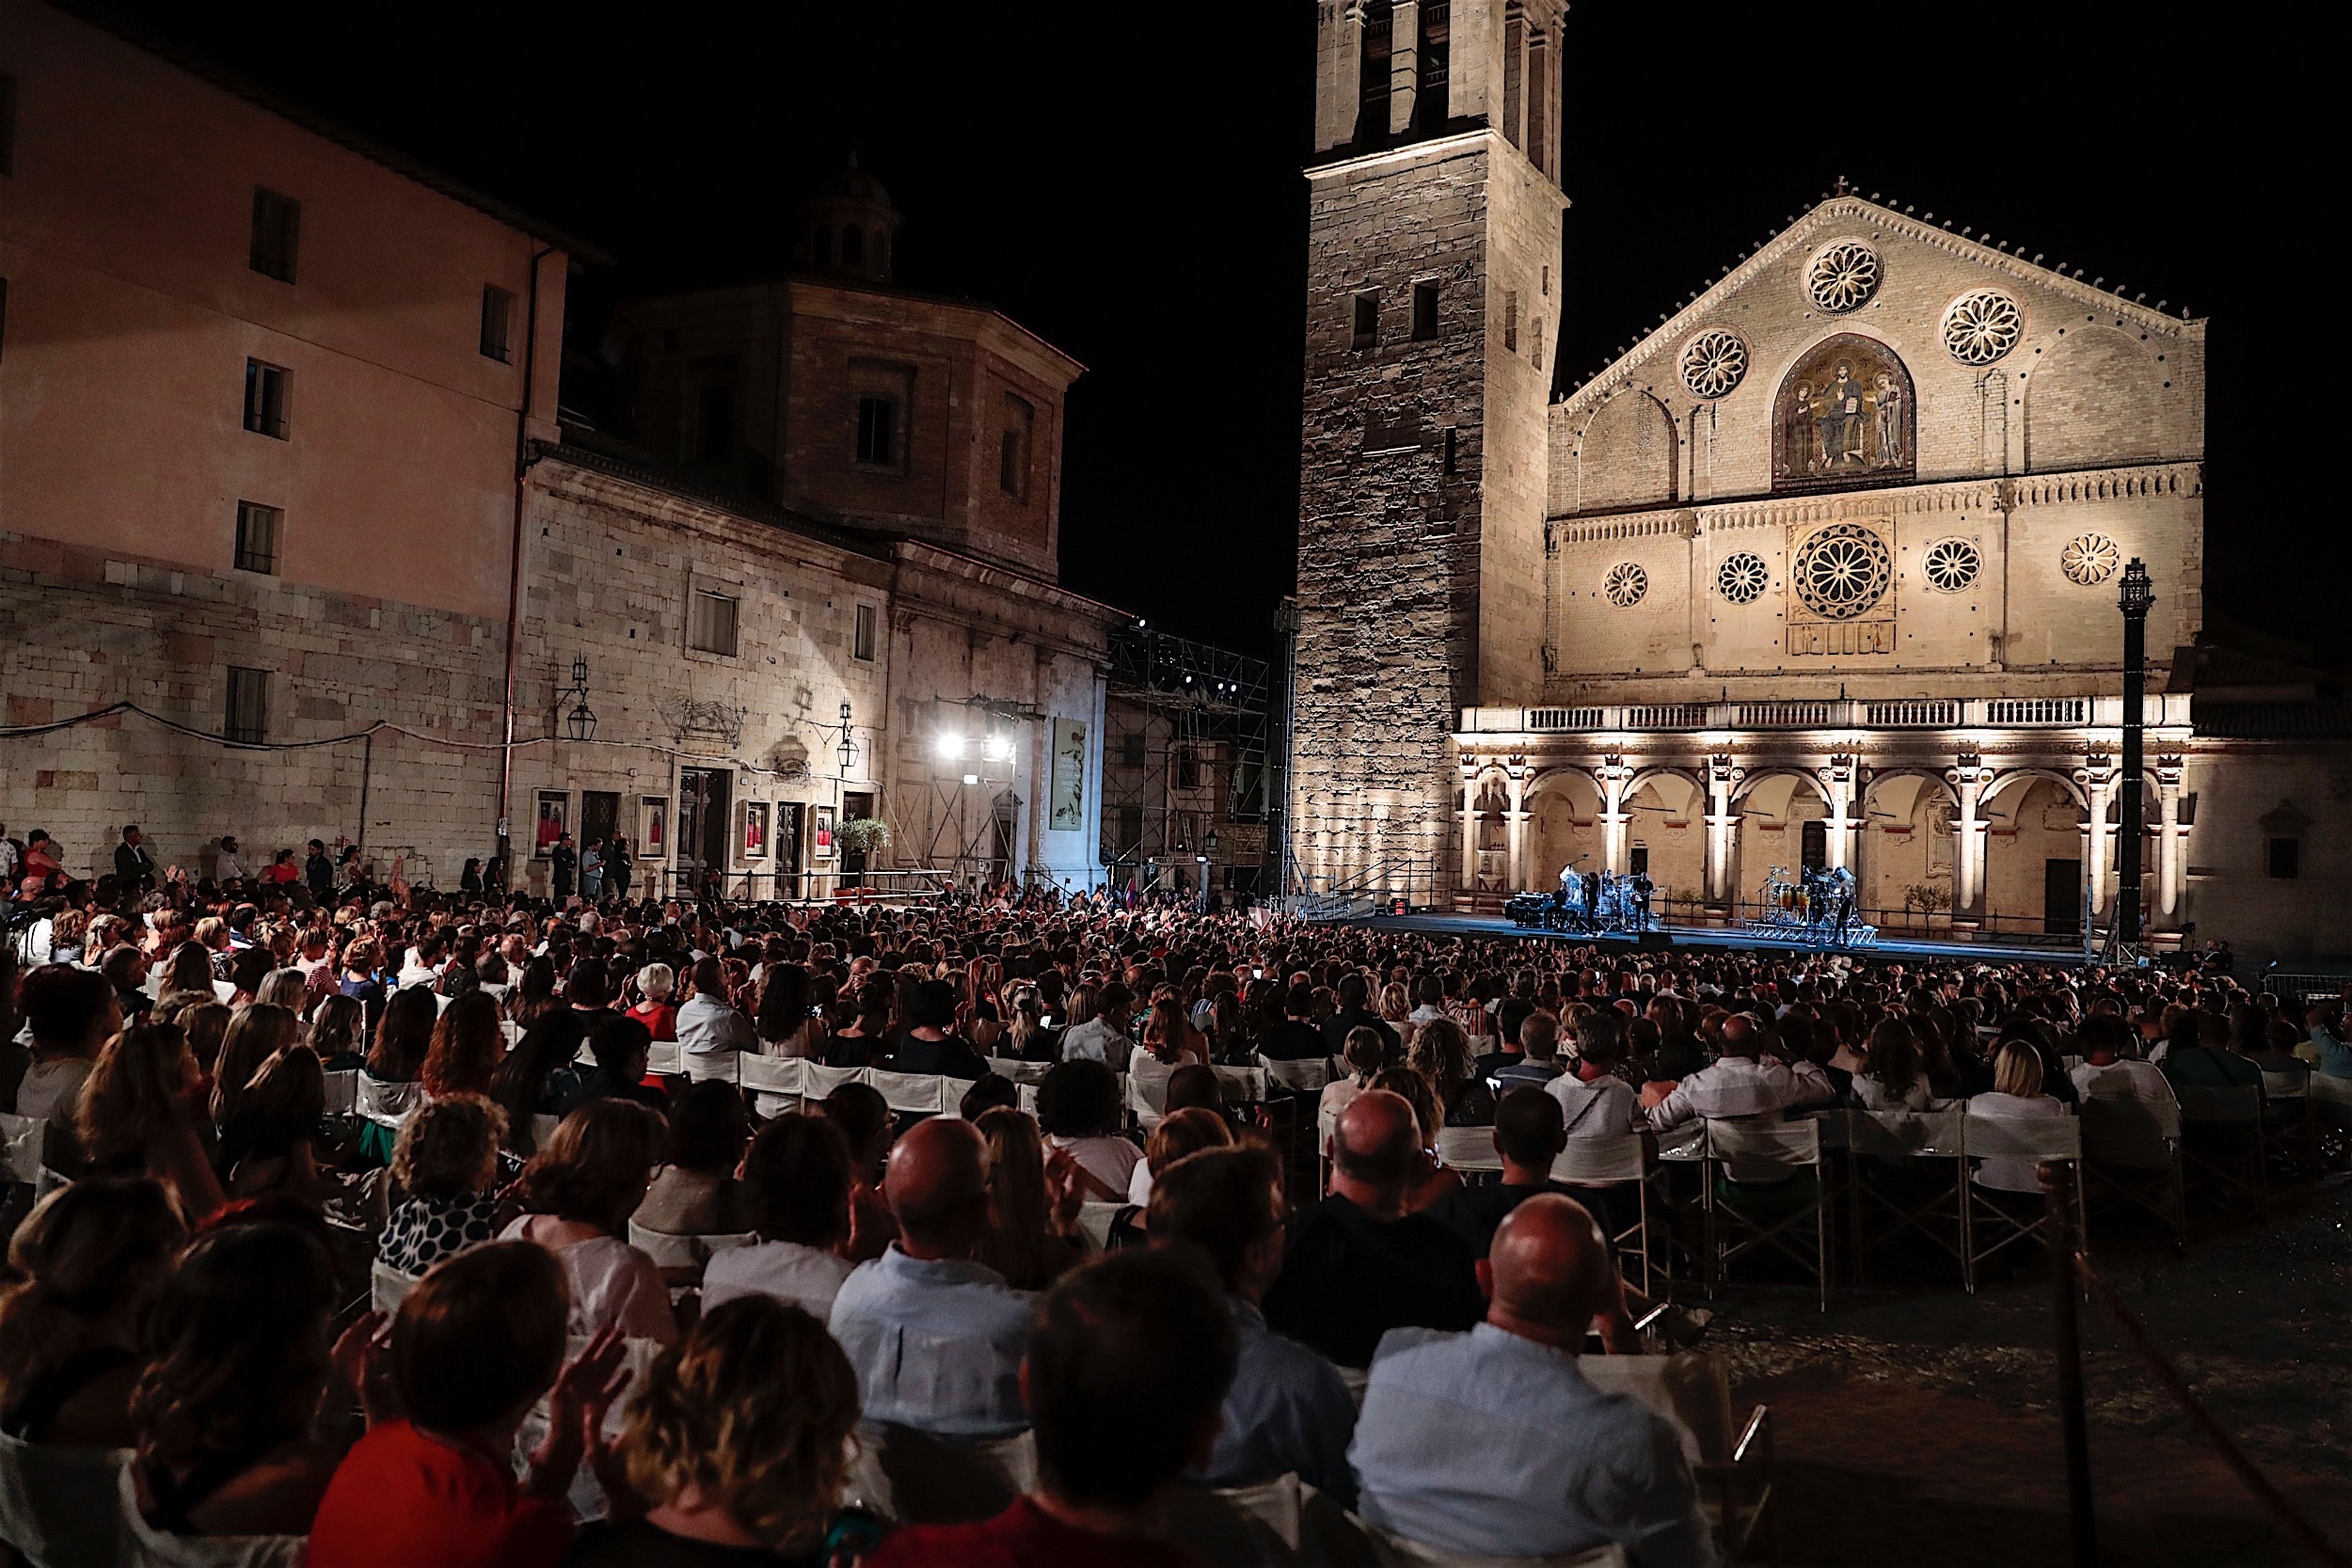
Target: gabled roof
1843, 207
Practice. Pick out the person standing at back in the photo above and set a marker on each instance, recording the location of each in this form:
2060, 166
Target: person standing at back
135, 867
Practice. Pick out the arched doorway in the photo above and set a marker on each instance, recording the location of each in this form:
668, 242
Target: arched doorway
1490, 848
1564, 807
1783, 827
2034, 878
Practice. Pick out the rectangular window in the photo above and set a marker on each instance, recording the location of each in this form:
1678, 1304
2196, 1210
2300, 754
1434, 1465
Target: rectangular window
1187, 769
714, 422
265, 387
1511, 321
257, 537
1536, 348
1514, 48
867, 634
1012, 449
1373, 86
277, 233
498, 317
2285, 859
1131, 749
1424, 312
1368, 317
878, 430
248, 718
1538, 92
711, 623
1451, 460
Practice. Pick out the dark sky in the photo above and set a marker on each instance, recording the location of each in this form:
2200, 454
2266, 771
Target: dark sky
1125, 180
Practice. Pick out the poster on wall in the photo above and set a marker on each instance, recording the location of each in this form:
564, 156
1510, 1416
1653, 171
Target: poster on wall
653, 828
754, 829
554, 820
821, 839
1069, 796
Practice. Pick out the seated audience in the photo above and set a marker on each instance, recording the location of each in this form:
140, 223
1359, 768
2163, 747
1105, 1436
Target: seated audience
137, 1117
577, 1195
1441, 1055
935, 1336
86, 1262
1741, 1082
337, 1030
797, 1178
2111, 1068
1101, 1035
1288, 1411
737, 1444
476, 1345
1078, 1110
68, 1014
1028, 1239
1539, 1039
1359, 1262
1890, 1077
2015, 1096
444, 1182
989, 1092
864, 1117
696, 1194
1186, 1131
1529, 1134
1366, 1057
1492, 1443
1596, 1102
710, 1030
467, 1045
1432, 1179
618, 1046
930, 1045
1125, 1373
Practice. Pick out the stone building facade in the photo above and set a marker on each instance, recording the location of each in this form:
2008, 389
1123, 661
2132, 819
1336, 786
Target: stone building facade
278, 447
1821, 572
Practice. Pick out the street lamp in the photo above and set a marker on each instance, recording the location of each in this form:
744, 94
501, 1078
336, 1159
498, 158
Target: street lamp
847, 751
581, 723
2138, 597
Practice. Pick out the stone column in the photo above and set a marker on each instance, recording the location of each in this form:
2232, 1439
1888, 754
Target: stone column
1404, 64
1514, 861
1968, 833
2100, 783
1721, 828
2171, 840
1614, 816
1470, 826
1837, 782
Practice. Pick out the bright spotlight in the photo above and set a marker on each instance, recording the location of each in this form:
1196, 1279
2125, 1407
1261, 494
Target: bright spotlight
1000, 748
951, 744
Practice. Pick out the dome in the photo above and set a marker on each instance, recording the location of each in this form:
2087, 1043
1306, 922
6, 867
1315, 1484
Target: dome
858, 185
850, 230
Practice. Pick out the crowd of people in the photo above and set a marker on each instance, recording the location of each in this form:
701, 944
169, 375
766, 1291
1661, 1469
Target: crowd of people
682, 1302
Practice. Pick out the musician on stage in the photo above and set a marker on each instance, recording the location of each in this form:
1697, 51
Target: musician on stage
1643, 891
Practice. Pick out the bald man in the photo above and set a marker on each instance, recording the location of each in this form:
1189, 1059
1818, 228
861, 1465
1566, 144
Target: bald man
1493, 1443
935, 1336
1359, 1264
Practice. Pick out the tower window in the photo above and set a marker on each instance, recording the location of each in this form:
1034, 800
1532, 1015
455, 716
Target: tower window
1012, 451
1372, 112
1452, 436
257, 537
277, 232
247, 715
1514, 63
1537, 346
865, 633
1424, 312
498, 316
714, 422
8, 124
1538, 94
820, 248
1430, 64
1511, 320
2284, 858
1367, 318
878, 430
265, 387
853, 246
711, 623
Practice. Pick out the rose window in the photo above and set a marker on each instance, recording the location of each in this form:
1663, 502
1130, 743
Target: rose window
1981, 327
2088, 559
1626, 585
1742, 578
1713, 362
1952, 565
1843, 277
1842, 571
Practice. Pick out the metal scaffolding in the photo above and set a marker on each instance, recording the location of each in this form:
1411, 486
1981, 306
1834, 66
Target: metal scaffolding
1191, 789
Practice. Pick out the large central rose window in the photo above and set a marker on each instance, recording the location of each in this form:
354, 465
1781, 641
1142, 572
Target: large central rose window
1842, 571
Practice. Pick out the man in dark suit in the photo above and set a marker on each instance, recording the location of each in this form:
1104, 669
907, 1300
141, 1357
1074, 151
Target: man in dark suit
134, 868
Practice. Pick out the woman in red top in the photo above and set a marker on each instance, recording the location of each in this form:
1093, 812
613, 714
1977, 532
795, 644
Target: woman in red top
476, 1345
658, 982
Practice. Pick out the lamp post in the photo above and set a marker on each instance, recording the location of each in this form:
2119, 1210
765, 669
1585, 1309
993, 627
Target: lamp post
2137, 598
580, 724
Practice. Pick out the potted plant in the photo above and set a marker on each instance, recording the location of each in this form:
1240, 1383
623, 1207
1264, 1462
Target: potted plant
863, 836
1932, 899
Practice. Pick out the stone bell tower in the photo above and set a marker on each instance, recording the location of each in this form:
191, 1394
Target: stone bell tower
1432, 305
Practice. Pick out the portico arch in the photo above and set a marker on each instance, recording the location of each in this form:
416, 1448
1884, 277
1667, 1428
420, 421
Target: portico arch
1772, 811
1907, 843
1564, 807
1667, 834
2034, 874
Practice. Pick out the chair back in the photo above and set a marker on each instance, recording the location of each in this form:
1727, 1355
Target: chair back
1686, 1142
1603, 1160
1018, 1071
1094, 1223
666, 1057
914, 1093
2127, 1133
343, 1091
2238, 1102
149, 1547
2293, 1084
58, 1504
672, 1249
387, 1287
919, 1479
21, 1141
1468, 1148
784, 1075
1690, 1390
1393, 1551
1790, 1145
1241, 1086
2332, 1091
385, 1104
2040, 1138
1904, 1135
818, 1079
1302, 1077
1239, 1527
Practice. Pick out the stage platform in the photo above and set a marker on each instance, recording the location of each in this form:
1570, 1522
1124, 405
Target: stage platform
1990, 951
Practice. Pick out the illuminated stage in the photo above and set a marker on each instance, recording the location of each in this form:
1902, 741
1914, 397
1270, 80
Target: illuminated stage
1725, 937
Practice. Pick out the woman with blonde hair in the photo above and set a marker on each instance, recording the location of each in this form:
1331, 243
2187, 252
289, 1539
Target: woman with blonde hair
1441, 1054
444, 1180
1027, 1239
1030, 1039
205, 1024
283, 987
467, 1045
2016, 1095
85, 1260
737, 1441
255, 1035
133, 1115
579, 1191
188, 974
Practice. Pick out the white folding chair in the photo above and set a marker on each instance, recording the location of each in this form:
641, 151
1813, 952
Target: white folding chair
342, 1092
1746, 1210
22, 1139
387, 1287
386, 1104
2288, 1112
1615, 1161
1147, 1096
1018, 1071
1691, 1391
914, 1093
2044, 1140
1300, 1077
919, 1479
672, 1249
153, 1547
1885, 1152
778, 1075
1094, 1223
2131, 1158
1241, 1086
2221, 1139
667, 1058
818, 1079
1468, 1148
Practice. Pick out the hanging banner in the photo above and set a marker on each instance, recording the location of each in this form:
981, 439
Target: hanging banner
1069, 796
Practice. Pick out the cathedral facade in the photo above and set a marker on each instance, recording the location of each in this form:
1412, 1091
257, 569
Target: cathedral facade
1823, 571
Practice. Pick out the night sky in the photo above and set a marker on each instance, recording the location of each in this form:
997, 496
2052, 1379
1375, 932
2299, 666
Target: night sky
1125, 180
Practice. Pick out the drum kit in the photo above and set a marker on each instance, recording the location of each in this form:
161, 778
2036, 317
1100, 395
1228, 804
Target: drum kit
1817, 909
1588, 903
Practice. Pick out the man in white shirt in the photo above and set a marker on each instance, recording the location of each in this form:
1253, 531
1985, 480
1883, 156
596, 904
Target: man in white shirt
800, 1176
1103, 1037
1741, 1083
229, 867
709, 1031
1595, 1102
2108, 1071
